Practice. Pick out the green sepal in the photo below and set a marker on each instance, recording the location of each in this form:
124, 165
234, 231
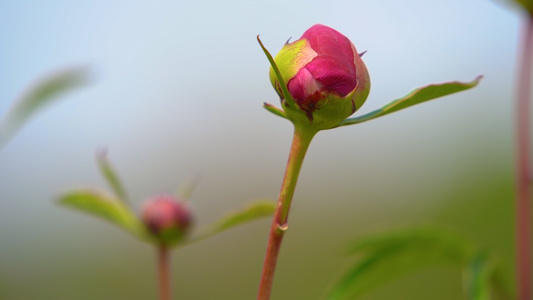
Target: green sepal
170, 237
277, 111
252, 211
416, 96
107, 207
287, 97
37, 97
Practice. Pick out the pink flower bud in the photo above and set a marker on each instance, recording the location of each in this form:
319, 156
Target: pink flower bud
325, 76
167, 218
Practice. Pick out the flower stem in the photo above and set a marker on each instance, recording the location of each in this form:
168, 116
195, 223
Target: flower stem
523, 180
301, 140
163, 268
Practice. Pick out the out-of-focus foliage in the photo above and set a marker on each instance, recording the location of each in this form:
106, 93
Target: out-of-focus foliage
527, 4
253, 210
104, 206
38, 96
386, 256
111, 176
118, 211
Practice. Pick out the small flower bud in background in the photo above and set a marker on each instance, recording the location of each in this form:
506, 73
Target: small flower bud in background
167, 218
324, 74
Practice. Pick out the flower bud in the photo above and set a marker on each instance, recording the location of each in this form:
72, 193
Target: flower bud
167, 218
325, 76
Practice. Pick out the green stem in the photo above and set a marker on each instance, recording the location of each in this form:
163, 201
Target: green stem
523, 180
301, 140
163, 270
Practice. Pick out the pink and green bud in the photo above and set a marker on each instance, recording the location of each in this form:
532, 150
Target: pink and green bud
167, 218
325, 77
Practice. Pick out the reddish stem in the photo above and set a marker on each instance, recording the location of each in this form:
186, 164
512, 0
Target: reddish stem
301, 140
163, 269
523, 195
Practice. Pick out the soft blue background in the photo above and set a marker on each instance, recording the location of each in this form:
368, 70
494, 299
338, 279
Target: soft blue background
177, 89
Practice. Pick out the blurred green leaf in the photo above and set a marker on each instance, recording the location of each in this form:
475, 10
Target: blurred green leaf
526, 4
252, 211
38, 96
106, 207
111, 176
478, 278
384, 257
186, 187
416, 96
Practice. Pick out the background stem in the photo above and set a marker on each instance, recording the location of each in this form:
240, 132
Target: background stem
163, 268
523, 195
301, 140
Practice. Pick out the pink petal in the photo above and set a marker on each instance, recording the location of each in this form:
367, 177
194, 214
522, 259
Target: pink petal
333, 76
303, 85
334, 66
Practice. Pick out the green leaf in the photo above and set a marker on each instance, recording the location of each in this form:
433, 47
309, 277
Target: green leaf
106, 207
416, 96
527, 5
478, 278
186, 187
252, 211
38, 96
111, 176
387, 256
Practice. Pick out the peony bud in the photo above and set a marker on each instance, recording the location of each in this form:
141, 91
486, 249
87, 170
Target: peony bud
167, 218
325, 76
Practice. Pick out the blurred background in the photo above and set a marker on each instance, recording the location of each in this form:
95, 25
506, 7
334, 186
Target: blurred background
177, 90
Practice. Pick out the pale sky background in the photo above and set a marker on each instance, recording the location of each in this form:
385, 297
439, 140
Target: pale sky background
177, 90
